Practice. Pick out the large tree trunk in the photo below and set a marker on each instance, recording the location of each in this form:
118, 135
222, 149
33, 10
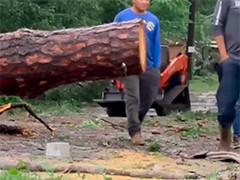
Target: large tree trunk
33, 61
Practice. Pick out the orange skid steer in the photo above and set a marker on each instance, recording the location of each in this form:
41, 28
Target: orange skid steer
173, 89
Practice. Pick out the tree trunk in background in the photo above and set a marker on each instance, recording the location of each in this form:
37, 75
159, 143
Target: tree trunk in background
33, 61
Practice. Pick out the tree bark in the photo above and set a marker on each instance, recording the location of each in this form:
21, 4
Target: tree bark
33, 61
91, 169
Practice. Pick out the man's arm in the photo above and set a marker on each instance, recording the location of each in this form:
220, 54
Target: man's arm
117, 18
220, 17
221, 47
157, 47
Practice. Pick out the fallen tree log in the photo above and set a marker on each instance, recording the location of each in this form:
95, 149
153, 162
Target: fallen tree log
91, 169
33, 61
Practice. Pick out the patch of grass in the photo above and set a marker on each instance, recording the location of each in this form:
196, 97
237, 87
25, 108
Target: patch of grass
55, 108
210, 130
213, 176
204, 84
84, 176
14, 174
154, 146
193, 132
194, 116
185, 117
158, 121
89, 124
64, 138
232, 167
107, 178
196, 131
190, 119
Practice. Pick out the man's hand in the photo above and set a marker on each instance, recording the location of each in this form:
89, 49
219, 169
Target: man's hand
224, 57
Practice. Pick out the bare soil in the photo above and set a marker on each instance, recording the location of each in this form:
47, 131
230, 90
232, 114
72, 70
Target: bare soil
103, 145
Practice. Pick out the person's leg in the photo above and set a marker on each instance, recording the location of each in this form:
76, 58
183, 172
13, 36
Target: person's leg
132, 108
236, 124
149, 85
227, 96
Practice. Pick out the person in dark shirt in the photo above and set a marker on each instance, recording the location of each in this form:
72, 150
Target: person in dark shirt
141, 91
227, 35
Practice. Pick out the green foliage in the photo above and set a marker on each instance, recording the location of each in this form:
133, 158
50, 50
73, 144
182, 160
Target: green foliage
9, 99
206, 7
109, 9
76, 93
67, 100
205, 55
173, 15
58, 14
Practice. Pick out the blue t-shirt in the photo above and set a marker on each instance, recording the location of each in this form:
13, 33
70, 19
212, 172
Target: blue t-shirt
152, 29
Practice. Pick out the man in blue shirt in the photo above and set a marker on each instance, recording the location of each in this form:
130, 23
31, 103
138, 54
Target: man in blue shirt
142, 90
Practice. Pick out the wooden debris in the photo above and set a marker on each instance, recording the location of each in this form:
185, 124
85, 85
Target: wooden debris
83, 168
9, 106
12, 130
218, 156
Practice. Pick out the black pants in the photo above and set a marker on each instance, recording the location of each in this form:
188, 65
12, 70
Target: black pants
141, 91
228, 92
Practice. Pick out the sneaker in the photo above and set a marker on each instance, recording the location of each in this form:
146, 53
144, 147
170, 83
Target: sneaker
137, 139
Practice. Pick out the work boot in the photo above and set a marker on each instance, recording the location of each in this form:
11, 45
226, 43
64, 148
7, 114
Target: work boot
137, 139
225, 138
236, 140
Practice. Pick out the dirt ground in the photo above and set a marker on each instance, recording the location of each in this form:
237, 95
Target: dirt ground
95, 142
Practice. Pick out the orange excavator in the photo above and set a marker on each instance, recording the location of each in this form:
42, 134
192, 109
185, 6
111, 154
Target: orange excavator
174, 84
173, 89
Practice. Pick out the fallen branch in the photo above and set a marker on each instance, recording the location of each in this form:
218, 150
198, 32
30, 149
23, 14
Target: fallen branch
11, 130
9, 106
220, 156
224, 155
115, 126
34, 167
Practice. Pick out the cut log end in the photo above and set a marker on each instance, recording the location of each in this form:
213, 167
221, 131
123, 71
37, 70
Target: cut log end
142, 47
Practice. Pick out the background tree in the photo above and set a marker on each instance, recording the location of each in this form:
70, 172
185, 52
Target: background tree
59, 14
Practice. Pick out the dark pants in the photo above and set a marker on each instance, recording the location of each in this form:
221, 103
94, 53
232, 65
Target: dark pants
141, 92
236, 124
228, 91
